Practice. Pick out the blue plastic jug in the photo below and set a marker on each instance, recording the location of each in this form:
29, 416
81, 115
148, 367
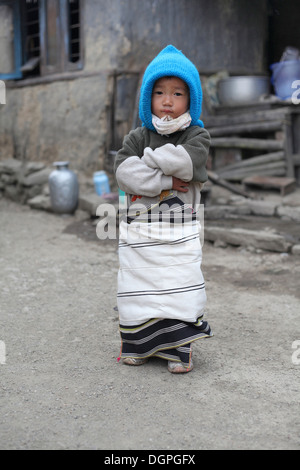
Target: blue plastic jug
101, 183
284, 74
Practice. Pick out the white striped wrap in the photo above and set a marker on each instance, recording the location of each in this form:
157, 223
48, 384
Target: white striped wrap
160, 272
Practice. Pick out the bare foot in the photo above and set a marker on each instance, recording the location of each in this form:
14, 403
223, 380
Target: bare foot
130, 361
178, 367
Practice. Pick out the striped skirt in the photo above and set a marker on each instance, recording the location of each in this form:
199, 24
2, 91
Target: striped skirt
167, 339
161, 290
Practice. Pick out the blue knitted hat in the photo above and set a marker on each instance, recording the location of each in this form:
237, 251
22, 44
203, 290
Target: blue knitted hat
170, 62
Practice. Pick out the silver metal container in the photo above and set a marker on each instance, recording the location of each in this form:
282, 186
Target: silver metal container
64, 189
234, 91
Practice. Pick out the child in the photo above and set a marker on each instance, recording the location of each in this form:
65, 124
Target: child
161, 168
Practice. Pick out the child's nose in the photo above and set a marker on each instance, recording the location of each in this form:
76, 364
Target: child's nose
167, 99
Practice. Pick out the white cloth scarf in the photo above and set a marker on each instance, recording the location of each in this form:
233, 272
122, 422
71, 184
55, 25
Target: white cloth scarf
168, 125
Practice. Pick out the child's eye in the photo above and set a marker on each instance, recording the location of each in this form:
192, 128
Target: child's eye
158, 92
178, 94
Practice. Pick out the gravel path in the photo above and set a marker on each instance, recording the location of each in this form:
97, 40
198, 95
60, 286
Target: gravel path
62, 387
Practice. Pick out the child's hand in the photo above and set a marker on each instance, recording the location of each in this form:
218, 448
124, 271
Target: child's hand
180, 185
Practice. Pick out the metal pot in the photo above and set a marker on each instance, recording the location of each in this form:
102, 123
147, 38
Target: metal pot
64, 189
241, 90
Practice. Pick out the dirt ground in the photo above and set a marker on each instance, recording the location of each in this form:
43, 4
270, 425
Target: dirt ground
62, 387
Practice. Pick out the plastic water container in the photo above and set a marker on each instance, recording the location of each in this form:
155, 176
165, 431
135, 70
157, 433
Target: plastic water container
101, 183
121, 194
284, 74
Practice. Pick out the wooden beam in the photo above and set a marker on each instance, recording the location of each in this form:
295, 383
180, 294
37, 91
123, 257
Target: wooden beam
216, 179
272, 169
243, 143
296, 159
285, 185
259, 160
288, 148
249, 117
245, 128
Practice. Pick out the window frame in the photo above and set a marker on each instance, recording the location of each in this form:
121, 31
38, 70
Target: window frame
63, 36
79, 64
16, 73
64, 63
24, 29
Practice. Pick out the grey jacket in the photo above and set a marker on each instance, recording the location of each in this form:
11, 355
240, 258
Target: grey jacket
145, 164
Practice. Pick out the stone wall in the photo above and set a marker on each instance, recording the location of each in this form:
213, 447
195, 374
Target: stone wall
21, 182
63, 120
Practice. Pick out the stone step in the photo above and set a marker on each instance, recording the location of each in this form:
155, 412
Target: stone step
259, 239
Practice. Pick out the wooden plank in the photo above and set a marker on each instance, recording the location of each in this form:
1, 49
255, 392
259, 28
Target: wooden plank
275, 169
246, 128
216, 179
296, 159
243, 143
252, 169
285, 185
278, 172
288, 147
243, 118
251, 107
296, 142
260, 159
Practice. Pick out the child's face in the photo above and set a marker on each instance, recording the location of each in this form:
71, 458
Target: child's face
170, 97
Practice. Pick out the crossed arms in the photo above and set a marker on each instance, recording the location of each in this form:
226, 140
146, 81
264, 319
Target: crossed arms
167, 167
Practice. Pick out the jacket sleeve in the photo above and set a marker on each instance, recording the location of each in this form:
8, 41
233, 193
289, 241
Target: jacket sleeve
197, 146
186, 161
172, 160
134, 176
